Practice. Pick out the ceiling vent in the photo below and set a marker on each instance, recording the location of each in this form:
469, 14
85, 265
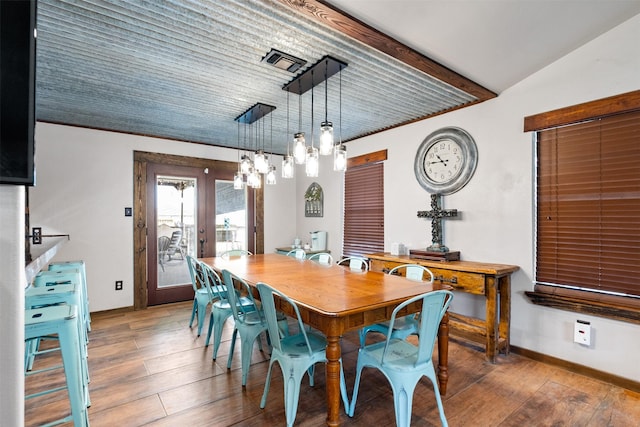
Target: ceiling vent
284, 61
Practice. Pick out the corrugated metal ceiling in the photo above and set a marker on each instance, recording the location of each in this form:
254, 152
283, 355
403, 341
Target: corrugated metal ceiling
185, 69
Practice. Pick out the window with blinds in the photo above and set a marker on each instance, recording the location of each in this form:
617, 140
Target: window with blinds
363, 210
588, 205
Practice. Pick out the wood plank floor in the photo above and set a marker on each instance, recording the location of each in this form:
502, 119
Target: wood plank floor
149, 369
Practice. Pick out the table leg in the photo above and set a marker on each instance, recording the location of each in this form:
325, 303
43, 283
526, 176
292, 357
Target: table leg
333, 380
492, 319
505, 310
443, 354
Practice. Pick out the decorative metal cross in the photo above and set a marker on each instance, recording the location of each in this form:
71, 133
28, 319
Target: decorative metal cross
436, 214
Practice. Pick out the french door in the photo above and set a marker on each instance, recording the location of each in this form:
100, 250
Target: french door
191, 211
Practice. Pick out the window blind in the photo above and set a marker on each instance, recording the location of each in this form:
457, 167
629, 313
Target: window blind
588, 205
364, 210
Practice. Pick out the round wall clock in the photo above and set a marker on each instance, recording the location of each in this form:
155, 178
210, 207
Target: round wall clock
446, 161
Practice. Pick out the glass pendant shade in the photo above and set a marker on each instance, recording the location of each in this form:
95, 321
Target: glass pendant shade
340, 158
245, 164
299, 148
238, 183
312, 162
253, 179
271, 175
260, 162
326, 138
287, 167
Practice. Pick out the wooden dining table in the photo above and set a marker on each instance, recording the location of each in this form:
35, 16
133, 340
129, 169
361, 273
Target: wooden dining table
334, 300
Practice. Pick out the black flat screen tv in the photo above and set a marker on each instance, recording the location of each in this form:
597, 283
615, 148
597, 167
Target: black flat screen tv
17, 91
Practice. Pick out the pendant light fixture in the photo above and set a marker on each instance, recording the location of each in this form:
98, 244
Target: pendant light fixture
260, 161
270, 178
299, 143
238, 182
326, 127
311, 159
340, 152
288, 168
246, 165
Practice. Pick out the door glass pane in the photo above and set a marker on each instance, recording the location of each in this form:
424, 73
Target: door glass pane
231, 217
176, 222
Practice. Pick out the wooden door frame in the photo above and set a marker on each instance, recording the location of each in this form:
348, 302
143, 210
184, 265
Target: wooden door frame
140, 161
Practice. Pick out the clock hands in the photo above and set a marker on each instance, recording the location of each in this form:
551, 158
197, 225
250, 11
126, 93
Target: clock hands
444, 162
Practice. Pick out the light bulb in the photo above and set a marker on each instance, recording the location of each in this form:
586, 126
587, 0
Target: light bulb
245, 164
238, 183
287, 167
340, 158
271, 175
326, 138
311, 164
299, 148
260, 162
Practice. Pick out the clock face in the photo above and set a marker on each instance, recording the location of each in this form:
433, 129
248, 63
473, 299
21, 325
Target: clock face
446, 161
443, 161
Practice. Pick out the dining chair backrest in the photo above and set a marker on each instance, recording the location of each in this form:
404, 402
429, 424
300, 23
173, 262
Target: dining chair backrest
297, 253
434, 306
238, 310
195, 272
269, 309
213, 282
355, 263
236, 253
414, 272
322, 258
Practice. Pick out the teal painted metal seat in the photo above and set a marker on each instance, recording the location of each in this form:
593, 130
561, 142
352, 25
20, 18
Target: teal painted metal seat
406, 325
61, 320
249, 321
44, 296
202, 297
323, 258
296, 353
79, 265
403, 363
355, 263
297, 253
220, 308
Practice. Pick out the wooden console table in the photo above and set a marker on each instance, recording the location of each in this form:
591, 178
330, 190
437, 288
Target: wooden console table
478, 278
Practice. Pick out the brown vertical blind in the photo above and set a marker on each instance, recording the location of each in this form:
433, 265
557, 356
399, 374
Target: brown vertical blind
588, 205
364, 210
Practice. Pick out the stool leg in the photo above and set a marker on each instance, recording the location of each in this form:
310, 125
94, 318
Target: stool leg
73, 371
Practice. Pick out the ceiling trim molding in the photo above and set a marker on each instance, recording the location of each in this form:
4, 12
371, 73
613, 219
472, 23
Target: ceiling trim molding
339, 20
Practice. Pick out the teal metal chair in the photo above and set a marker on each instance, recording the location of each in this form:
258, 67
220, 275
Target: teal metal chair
323, 258
80, 265
250, 323
221, 307
202, 297
236, 253
355, 263
406, 325
296, 353
297, 253
403, 363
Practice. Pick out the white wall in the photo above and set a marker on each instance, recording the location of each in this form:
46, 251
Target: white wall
84, 182
496, 224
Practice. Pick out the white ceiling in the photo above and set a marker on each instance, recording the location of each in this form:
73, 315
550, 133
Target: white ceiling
495, 43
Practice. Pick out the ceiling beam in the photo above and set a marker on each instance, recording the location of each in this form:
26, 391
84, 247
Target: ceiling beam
339, 20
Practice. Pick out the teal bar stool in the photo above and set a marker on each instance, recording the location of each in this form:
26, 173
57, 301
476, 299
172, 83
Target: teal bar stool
65, 265
43, 296
67, 276
61, 320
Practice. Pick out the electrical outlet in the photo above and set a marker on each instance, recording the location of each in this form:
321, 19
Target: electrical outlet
118, 285
582, 332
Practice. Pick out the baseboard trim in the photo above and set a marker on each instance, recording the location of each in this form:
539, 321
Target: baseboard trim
578, 369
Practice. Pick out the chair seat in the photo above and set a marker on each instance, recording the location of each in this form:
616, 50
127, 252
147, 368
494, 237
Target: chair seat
295, 345
401, 355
